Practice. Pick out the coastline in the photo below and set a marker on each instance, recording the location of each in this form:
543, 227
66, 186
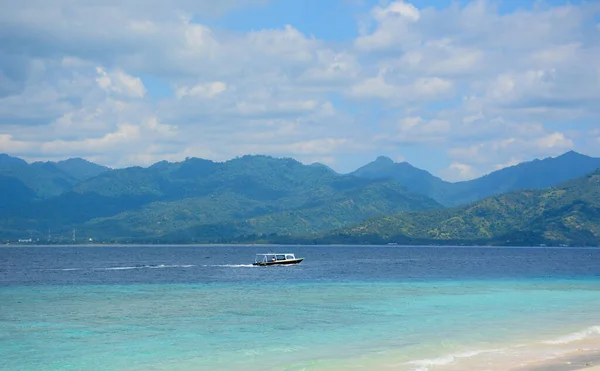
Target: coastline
572, 352
245, 244
575, 351
588, 360
425, 309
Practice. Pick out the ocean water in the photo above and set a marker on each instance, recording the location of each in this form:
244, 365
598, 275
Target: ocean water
344, 307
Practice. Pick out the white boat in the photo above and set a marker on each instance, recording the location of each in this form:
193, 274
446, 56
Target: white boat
276, 259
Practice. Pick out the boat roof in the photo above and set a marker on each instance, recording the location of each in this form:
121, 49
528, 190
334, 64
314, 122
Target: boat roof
277, 253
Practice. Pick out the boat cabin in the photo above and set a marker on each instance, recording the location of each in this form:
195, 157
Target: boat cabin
264, 258
276, 259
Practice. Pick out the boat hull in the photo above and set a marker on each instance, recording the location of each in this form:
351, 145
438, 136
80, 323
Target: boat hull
281, 262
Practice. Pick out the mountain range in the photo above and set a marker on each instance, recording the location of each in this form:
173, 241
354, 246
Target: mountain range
266, 199
566, 214
533, 174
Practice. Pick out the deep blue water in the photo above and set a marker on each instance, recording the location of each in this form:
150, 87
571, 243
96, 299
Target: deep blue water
361, 307
77, 265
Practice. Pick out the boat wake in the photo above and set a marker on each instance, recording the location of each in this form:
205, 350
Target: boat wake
140, 266
231, 265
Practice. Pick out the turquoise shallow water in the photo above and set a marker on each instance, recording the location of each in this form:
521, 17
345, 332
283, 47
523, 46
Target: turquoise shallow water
284, 318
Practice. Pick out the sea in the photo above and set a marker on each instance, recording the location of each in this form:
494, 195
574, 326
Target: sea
206, 307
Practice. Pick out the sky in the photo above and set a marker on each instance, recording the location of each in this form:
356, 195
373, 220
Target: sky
458, 88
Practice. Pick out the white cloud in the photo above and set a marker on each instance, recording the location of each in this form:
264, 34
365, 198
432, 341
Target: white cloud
208, 90
458, 172
418, 130
554, 140
511, 162
420, 89
441, 57
325, 160
331, 68
498, 153
120, 83
285, 107
393, 27
484, 87
396, 8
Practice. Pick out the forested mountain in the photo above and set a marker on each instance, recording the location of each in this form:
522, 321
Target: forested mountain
168, 198
261, 198
533, 174
48, 179
567, 214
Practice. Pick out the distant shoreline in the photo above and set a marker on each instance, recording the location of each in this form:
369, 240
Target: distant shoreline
282, 244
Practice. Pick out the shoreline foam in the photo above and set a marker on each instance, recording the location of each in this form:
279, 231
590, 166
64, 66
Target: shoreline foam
582, 360
575, 351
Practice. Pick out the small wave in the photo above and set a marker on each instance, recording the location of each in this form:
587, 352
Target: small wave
231, 265
151, 266
65, 269
170, 266
260, 352
589, 332
424, 364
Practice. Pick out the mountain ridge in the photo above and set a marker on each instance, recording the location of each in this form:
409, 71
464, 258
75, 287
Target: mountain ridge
536, 173
565, 214
172, 197
245, 198
48, 179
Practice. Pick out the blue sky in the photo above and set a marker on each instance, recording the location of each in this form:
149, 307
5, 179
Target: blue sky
459, 88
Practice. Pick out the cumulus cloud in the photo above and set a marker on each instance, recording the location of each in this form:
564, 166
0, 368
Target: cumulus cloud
208, 90
120, 83
393, 27
458, 172
499, 153
416, 130
485, 88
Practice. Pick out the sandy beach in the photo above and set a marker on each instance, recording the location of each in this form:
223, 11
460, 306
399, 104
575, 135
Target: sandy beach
563, 354
588, 360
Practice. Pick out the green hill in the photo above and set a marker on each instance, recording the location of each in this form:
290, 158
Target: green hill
48, 179
567, 214
256, 192
544, 173
80, 169
261, 198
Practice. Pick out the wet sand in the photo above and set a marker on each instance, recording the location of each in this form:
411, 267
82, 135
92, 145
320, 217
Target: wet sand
583, 354
581, 360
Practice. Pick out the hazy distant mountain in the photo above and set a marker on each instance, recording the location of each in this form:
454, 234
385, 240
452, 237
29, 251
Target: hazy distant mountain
534, 174
254, 197
14, 193
544, 173
412, 178
181, 197
7, 161
45, 179
81, 169
48, 179
567, 214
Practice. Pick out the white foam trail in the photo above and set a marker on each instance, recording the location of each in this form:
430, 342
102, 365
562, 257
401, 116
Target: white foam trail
589, 332
66, 269
169, 266
424, 364
231, 265
158, 266
115, 268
